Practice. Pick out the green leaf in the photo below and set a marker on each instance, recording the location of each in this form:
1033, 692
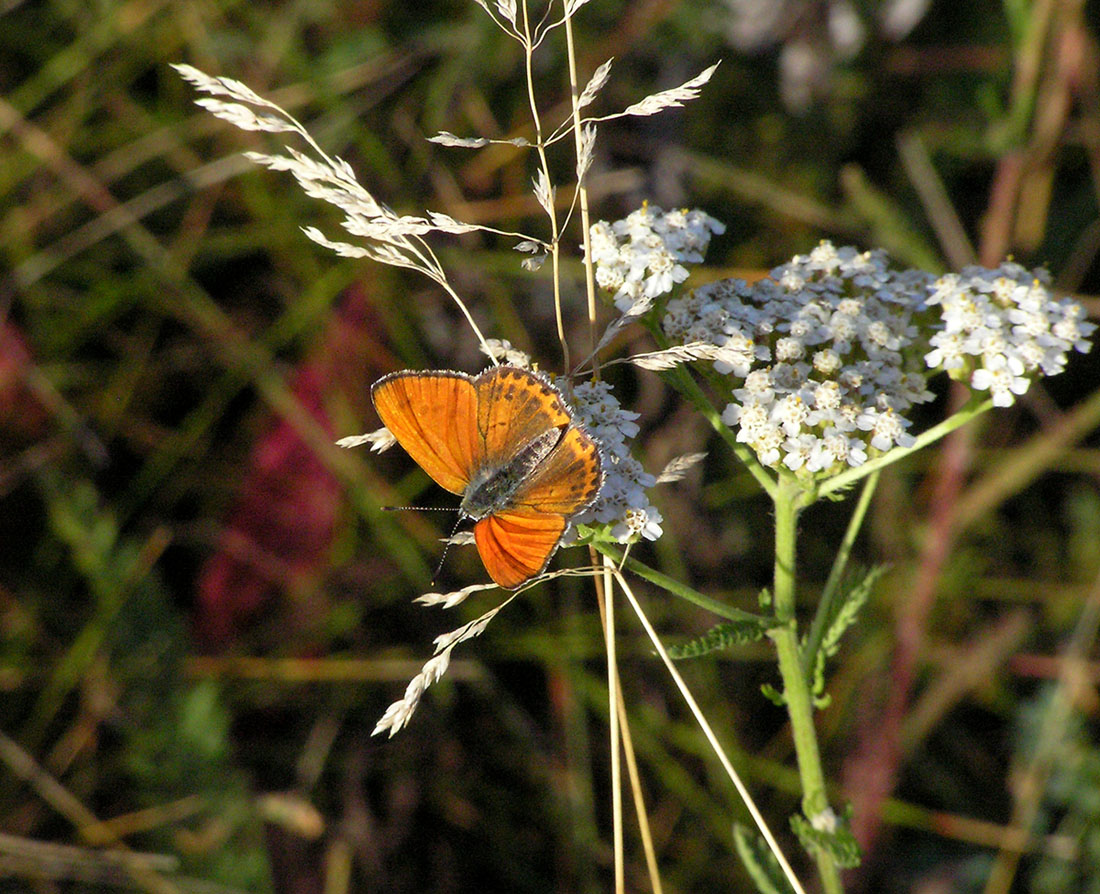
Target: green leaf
759, 861
773, 695
832, 836
852, 595
720, 636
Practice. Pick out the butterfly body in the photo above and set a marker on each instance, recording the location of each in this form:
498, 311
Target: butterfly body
506, 442
493, 487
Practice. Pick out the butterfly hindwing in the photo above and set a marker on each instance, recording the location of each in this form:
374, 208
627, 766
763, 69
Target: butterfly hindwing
434, 417
515, 545
515, 406
567, 480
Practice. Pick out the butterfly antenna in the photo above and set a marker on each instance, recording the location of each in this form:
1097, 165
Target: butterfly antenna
420, 508
446, 546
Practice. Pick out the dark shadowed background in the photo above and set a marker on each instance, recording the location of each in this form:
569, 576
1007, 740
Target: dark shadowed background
203, 611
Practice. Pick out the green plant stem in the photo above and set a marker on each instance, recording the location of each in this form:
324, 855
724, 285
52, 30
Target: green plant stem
789, 502
680, 379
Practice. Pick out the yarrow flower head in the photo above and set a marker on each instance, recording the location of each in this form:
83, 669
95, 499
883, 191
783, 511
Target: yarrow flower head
642, 257
829, 354
1002, 328
817, 356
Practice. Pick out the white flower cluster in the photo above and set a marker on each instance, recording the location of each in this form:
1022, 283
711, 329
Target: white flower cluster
818, 352
622, 501
831, 352
642, 256
1002, 327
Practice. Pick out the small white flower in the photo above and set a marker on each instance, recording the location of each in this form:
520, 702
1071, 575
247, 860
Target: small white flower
889, 429
842, 449
790, 413
851, 378
789, 376
948, 353
767, 445
806, 452
638, 523
737, 354
843, 329
759, 387
827, 396
789, 349
999, 381
826, 362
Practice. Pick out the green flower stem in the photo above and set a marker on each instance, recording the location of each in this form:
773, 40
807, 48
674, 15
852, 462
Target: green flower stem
676, 588
789, 502
680, 379
836, 574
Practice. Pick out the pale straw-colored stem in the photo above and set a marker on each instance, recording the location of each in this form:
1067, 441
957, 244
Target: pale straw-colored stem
608, 606
469, 318
603, 585
582, 191
555, 240
636, 792
701, 719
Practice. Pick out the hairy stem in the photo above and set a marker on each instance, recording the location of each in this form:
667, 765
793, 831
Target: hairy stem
815, 800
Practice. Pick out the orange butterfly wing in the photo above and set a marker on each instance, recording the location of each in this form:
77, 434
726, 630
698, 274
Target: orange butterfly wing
567, 480
434, 416
515, 406
515, 545
452, 425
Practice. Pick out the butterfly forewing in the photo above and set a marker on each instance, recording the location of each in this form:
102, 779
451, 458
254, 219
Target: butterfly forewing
567, 480
514, 406
516, 545
434, 416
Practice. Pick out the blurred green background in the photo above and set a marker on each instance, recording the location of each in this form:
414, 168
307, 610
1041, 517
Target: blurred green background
203, 610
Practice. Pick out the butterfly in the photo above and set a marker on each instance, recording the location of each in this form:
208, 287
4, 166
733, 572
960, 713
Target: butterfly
506, 442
